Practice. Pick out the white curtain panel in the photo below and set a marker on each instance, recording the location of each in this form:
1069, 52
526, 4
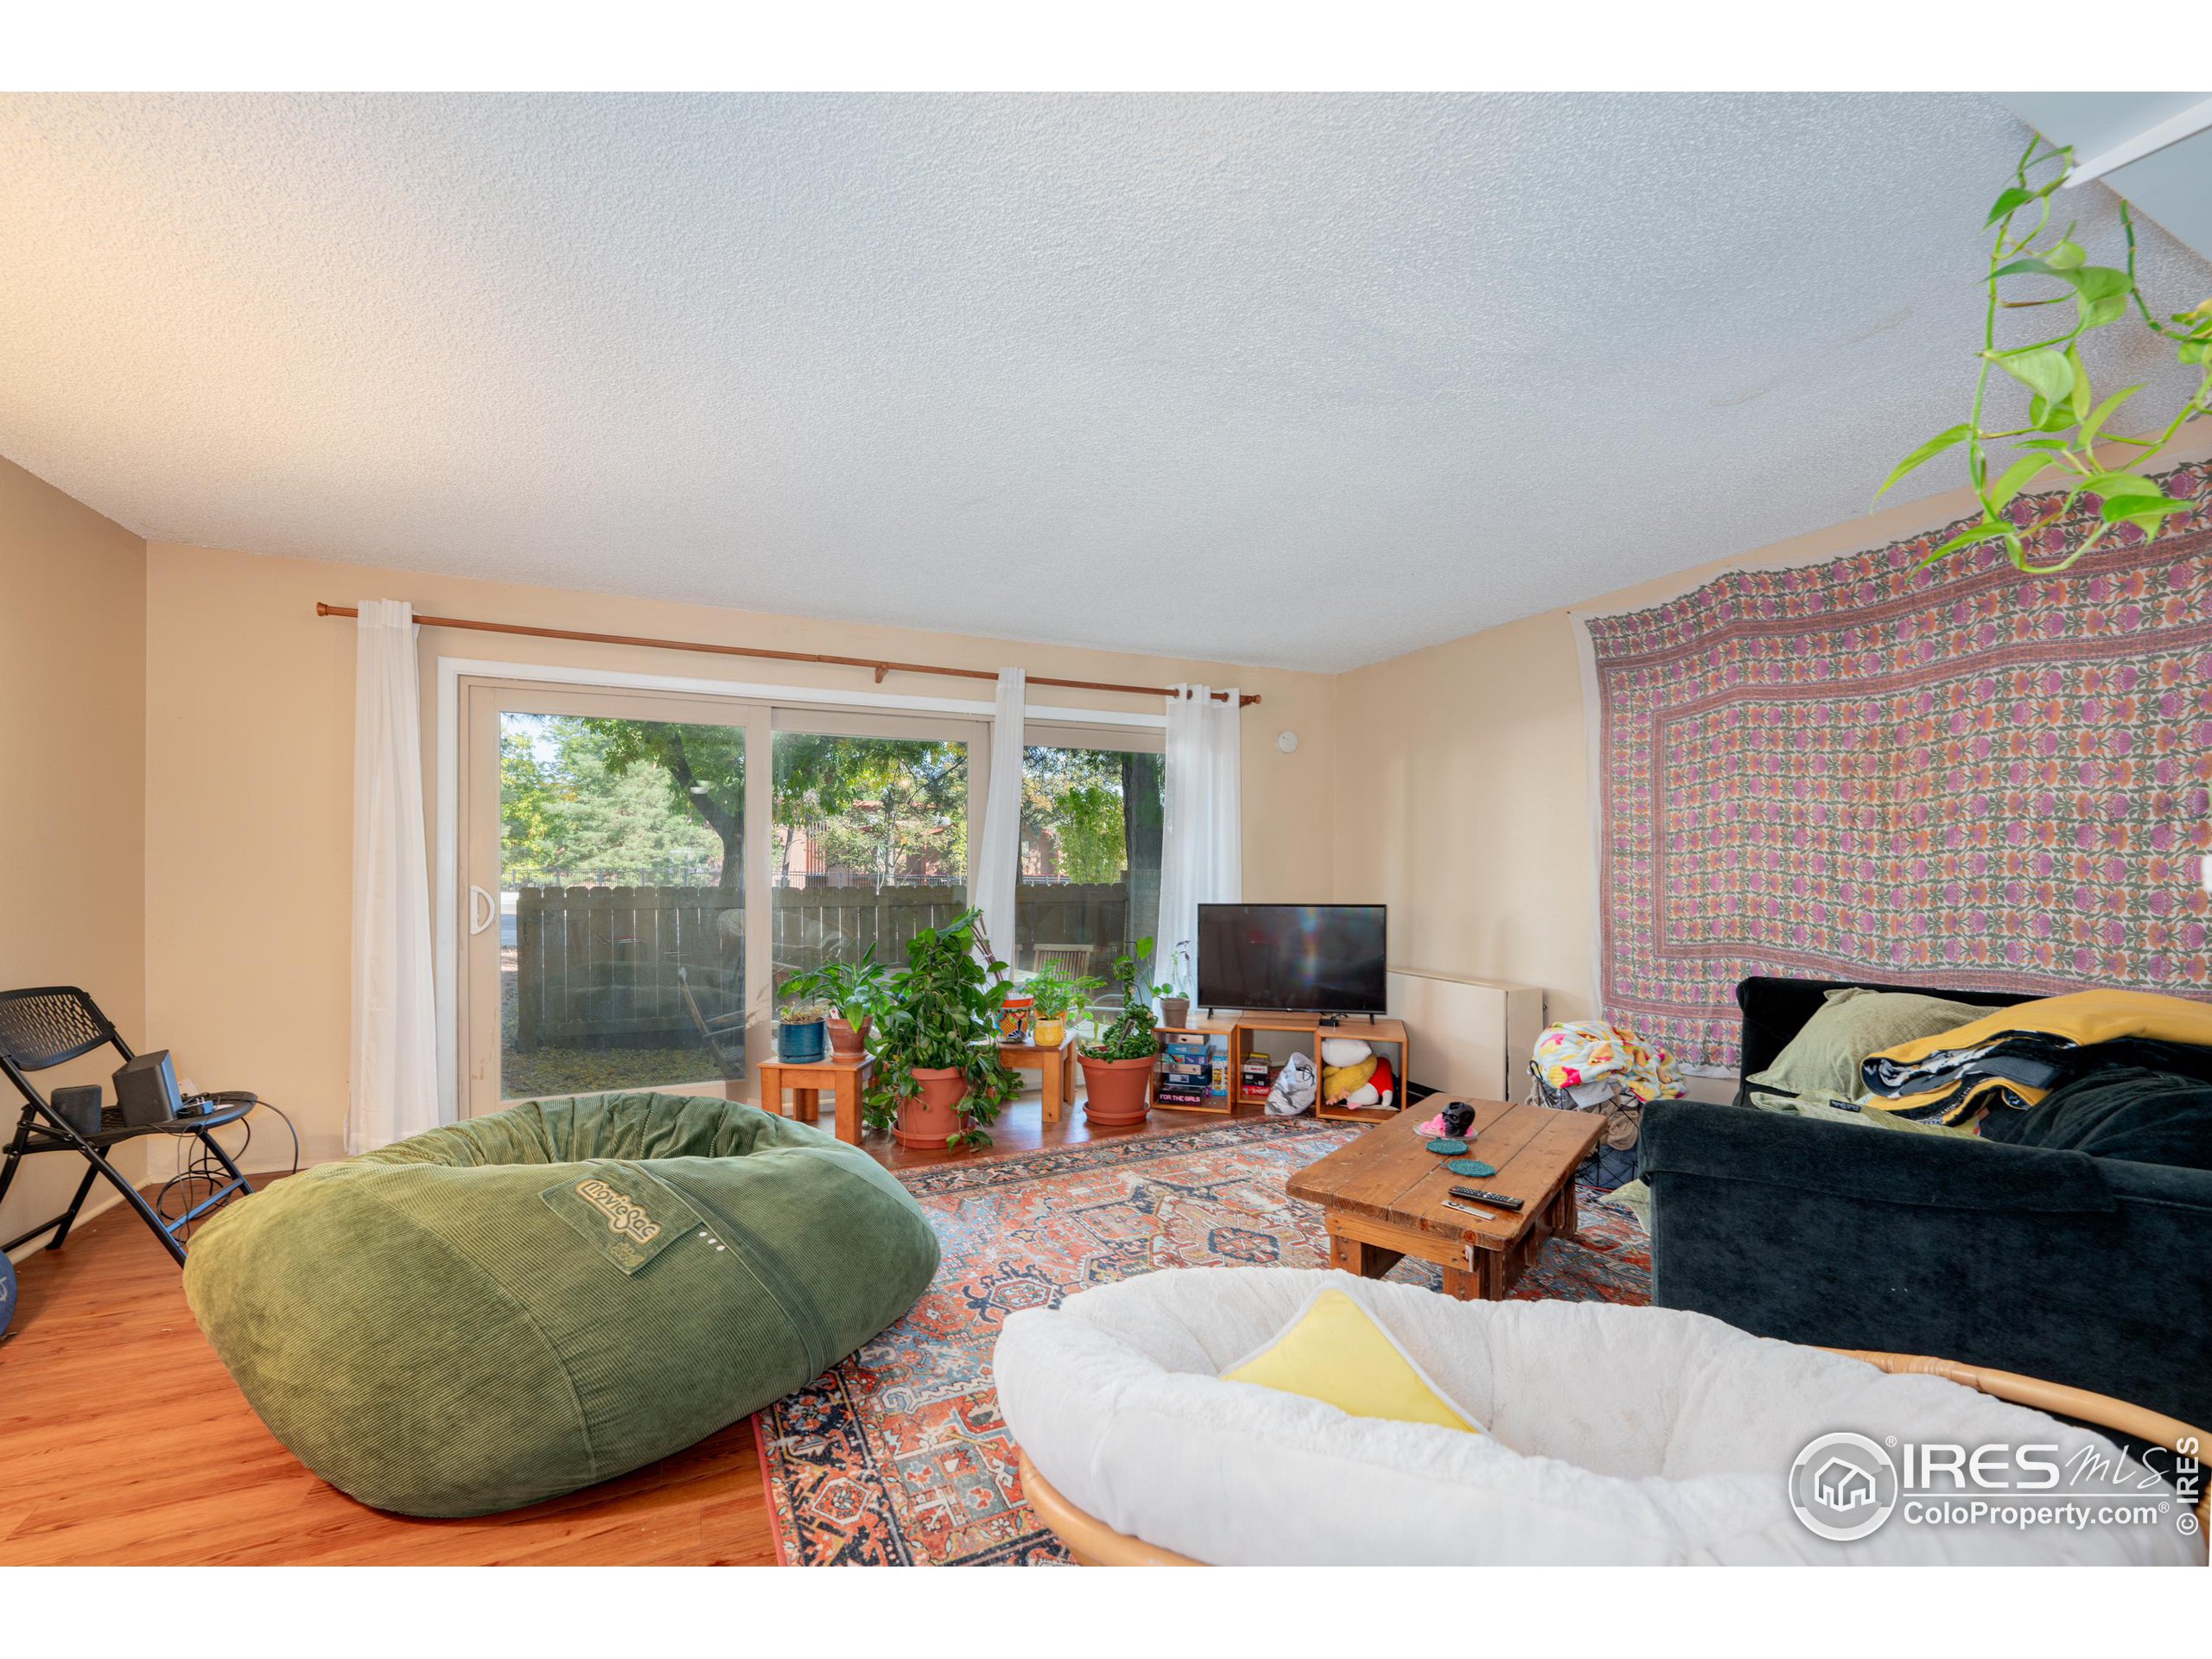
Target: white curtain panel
394, 1065
1202, 839
998, 854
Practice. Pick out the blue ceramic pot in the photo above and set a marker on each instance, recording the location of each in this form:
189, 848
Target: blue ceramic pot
800, 1044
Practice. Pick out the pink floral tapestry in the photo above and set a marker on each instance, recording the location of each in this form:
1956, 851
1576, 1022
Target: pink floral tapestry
1965, 777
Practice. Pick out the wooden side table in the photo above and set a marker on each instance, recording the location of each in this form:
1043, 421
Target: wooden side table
843, 1081
1056, 1066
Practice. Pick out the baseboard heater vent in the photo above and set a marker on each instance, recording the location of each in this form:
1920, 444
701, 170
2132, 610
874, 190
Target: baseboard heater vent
1469, 1037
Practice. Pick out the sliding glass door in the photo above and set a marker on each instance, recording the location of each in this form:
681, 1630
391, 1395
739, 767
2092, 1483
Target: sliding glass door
610, 864
1092, 813
870, 839
640, 873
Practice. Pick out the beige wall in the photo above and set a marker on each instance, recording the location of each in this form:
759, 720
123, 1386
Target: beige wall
249, 755
73, 801
184, 846
1464, 800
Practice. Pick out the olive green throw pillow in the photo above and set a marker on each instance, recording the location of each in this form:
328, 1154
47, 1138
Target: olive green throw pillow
1821, 1061
516, 1305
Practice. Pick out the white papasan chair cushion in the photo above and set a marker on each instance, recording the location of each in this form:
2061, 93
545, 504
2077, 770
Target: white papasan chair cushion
1613, 1434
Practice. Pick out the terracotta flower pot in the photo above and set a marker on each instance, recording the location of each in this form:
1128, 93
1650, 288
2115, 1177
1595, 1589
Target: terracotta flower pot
848, 1041
929, 1117
1115, 1091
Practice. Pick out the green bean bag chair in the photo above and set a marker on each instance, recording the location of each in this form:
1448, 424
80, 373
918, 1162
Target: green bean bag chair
515, 1307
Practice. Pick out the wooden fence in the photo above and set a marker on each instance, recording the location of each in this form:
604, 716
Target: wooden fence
597, 966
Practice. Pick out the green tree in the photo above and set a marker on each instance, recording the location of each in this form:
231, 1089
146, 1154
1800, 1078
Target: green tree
697, 769
531, 795
819, 777
569, 814
915, 809
1081, 797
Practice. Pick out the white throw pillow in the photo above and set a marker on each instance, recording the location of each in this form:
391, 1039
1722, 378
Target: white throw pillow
1344, 1050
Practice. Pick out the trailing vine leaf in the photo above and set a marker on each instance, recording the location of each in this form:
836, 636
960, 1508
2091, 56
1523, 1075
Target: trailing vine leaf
2078, 395
2063, 410
2042, 371
1927, 451
2102, 413
2117, 483
1989, 529
2018, 476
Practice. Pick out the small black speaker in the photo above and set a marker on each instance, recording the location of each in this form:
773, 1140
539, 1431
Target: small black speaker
78, 1106
146, 1089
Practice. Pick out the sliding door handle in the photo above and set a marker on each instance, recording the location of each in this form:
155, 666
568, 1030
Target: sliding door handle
478, 921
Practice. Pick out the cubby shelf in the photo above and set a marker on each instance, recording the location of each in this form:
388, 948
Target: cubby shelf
1382, 1032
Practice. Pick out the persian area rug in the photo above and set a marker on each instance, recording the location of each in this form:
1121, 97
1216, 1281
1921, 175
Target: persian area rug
898, 1455
1964, 777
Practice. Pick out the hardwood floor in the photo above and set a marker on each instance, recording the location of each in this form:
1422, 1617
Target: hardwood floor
122, 1439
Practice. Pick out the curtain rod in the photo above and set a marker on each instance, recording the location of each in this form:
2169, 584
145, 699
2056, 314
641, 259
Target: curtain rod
881, 666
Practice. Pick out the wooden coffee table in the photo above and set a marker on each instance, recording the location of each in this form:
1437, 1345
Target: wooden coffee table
1381, 1197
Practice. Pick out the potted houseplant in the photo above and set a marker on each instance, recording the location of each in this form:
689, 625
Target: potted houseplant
799, 1031
938, 1080
1058, 996
854, 991
1117, 1063
1174, 1007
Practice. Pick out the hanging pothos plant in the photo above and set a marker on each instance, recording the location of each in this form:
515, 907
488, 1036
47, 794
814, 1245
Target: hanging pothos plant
2066, 420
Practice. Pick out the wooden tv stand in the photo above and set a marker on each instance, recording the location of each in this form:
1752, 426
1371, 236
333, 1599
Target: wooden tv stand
1385, 1034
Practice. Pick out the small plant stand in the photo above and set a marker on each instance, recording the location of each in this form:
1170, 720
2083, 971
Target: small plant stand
843, 1080
1056, 1066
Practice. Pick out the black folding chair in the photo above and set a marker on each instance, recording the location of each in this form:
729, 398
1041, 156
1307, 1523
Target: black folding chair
52, 1023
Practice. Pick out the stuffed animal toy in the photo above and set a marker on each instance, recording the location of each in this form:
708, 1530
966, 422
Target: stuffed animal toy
1379, 1088
1338, 1082
1344, 1050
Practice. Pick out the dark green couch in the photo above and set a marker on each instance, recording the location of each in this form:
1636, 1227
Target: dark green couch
2091, 1271
516, 1305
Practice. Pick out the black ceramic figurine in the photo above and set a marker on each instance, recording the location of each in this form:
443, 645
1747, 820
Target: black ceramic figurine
1459, 1119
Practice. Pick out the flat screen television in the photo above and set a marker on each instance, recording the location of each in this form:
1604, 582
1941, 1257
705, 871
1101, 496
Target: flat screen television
1304, 958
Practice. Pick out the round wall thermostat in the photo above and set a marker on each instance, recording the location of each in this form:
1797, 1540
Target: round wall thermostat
1288, 742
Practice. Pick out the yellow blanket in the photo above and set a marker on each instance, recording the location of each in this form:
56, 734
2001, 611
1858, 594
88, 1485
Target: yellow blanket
1958, 1104
1956, 1074
2083, 1017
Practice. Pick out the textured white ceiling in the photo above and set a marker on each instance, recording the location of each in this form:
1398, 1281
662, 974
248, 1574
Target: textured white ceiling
1301, 380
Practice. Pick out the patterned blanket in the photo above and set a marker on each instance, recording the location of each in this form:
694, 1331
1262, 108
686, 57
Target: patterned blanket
1966, 777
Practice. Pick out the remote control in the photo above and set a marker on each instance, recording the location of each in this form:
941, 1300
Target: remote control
1470, 1209
1481, 1197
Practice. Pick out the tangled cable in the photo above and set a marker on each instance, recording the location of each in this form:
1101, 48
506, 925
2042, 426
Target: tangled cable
203, 1176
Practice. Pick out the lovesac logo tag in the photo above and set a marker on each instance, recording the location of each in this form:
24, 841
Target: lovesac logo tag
1843, 1486
624, 1214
